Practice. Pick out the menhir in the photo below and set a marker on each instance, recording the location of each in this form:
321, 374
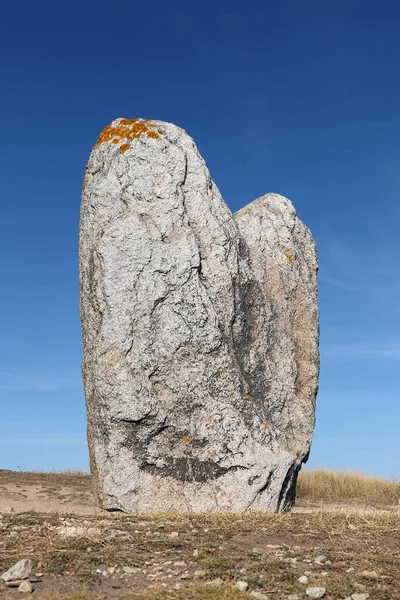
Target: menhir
200, 331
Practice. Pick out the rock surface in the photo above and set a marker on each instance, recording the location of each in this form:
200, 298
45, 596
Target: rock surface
21, 570
25, 587
315, 592
200, 331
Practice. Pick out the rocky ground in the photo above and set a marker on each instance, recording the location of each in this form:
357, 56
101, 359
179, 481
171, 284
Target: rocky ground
89, 554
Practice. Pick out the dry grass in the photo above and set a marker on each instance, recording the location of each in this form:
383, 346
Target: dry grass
268, 551
323, 485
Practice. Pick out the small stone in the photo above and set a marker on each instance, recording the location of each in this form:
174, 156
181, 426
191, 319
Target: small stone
179, 563
350, 570
259, 595
315, 592
370, 574
199, 573
111, 570
25, 587
360, 596
174, 534
257, 551
67, 530
21, 570
303, 579
292, 597
324, 573
14, 583
195, 553
186, 576
215, 582
129, 570
242, 586
321, 559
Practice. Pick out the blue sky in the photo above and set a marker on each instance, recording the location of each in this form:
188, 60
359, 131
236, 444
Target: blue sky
300, 98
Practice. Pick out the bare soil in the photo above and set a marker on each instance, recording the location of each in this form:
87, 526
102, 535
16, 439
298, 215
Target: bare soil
82, 552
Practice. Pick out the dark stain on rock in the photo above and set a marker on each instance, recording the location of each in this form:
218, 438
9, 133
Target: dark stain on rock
188, 469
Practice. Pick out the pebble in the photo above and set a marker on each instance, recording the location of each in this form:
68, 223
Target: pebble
260, 595
242, 586
173, 534
78, 531
303, 579
129, 570
195, 553
315, 592
21, 570
359, 596
215, 582
199, 573
370, 574
14, 583
25, 587
292, 597
322, 560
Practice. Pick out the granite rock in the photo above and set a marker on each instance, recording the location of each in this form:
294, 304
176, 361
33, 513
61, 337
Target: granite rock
20, 570
200, 331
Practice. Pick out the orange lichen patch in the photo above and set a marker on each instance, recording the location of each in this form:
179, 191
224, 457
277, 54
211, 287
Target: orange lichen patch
289, 257
266, 425
185, 439
127, 130
250, 398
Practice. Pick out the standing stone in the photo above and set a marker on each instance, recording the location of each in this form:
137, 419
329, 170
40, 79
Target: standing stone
283, 258
200, 331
